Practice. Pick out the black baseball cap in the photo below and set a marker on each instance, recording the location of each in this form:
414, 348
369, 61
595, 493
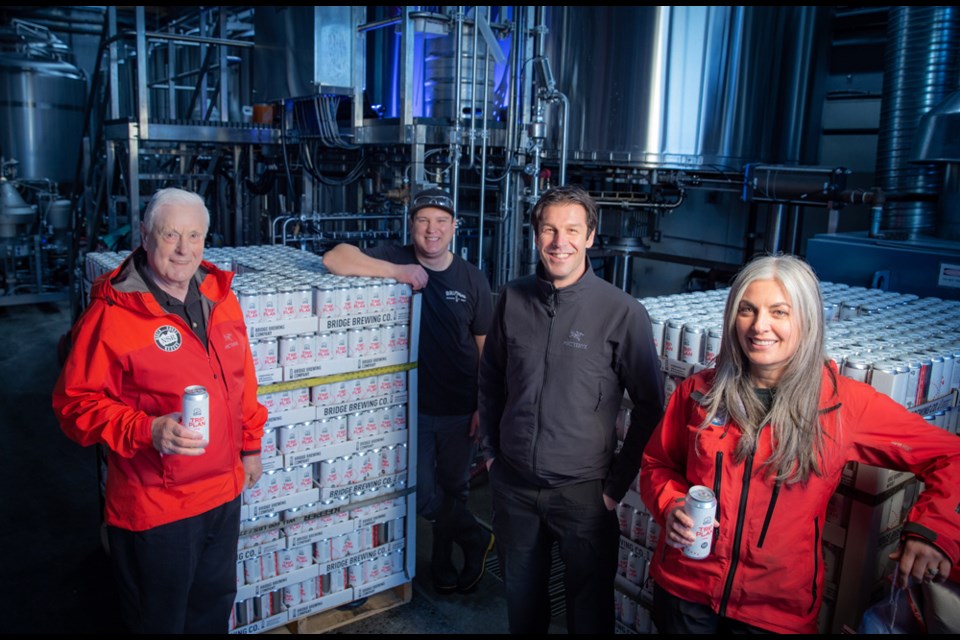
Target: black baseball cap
437, 198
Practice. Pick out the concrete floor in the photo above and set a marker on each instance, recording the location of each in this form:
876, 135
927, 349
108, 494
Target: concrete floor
58, 575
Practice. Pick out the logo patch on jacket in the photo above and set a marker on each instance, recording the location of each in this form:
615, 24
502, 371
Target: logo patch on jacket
575, 340
167, 338
455, 296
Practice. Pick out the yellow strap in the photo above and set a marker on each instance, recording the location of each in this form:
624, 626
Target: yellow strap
352, 375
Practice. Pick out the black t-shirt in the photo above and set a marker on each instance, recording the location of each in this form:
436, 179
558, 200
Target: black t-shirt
457, 306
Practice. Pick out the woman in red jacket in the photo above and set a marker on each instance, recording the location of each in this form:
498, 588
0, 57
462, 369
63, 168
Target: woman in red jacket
770, 430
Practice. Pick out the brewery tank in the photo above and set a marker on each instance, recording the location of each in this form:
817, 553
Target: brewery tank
42, 101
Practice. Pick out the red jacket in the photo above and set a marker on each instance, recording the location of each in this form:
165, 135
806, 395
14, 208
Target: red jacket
766, 566
129, 364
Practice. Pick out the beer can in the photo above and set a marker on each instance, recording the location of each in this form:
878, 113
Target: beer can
351, 470
289, 351
385, 420
371, 423
624, 515
324, 301
251, 571
375, 297
286, 306
268, 305
196, 411
356, 343
890, 378
330, 473
320, 394
300, 397
308, 435
856, 368
337, 580
692, 343
303, 300
638, 526
360, 293
291, 595
714, 335
324, 352
399, 418
250, 305
308, 590
325, 433
286, 562
370, 387
289, 438
701, 507
937, 384
403, 338
388, 461
389, 337
634, 567
307, 344
356, 426
321, 551
340, 345
628, 613
401, 451
657, 326
304, 477
255, 355
269, 355
399, 382
622, 557
268, 565
384, 384
672, 338
375, 344
289, 482
339, 429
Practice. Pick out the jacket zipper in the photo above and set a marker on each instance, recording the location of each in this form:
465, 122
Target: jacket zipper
717, 476
769, 516
738, 535
543, 382
816, 562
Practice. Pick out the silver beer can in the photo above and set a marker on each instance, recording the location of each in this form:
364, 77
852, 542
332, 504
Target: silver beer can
196, 411
672, 336
701, 506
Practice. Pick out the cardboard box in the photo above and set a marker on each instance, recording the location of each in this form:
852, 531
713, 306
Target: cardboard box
872, 533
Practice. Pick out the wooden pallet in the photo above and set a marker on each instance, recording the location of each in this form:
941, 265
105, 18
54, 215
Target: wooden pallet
328, 620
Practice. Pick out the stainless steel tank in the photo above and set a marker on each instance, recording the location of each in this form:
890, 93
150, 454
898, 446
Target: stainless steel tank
440, 69
921, 68
42, 100
711, 86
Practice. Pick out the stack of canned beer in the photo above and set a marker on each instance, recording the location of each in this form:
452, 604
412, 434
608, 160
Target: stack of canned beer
368, 540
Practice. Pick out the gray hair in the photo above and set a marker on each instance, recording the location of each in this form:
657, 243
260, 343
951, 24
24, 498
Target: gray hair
794, 417
172, 196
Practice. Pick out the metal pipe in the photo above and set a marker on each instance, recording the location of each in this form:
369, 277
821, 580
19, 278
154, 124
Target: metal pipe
775, 228
378, 24
483, 157
155, 35
457, 116
473, 94
565, 129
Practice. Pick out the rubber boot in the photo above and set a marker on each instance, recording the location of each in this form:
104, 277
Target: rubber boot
442, 570
476, 542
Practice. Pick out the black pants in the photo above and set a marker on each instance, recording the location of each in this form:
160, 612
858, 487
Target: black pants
179, 577
526, 522
674, 615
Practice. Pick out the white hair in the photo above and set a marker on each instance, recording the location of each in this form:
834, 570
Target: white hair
172, 196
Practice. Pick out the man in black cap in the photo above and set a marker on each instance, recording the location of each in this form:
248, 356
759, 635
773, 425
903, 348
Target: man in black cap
456, 312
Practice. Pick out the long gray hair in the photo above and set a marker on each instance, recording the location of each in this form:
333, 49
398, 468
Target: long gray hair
794, 417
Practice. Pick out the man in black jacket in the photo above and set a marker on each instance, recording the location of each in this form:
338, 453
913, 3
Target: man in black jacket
563, 347
456, 313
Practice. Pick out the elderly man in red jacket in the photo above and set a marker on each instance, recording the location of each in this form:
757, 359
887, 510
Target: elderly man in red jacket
162, 321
